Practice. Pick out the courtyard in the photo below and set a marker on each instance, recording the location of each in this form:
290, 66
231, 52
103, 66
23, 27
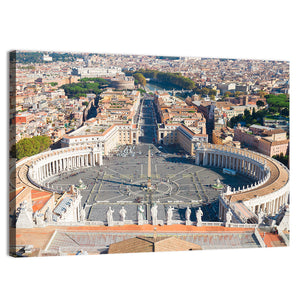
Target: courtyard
121, 182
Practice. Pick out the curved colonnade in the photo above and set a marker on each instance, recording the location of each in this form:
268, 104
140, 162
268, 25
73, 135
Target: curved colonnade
51, 163
270, 190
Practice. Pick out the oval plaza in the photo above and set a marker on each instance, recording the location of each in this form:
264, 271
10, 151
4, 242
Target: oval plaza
268, 192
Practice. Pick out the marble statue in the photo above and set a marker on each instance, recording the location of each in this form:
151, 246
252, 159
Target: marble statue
228, 190
140, 214
122, 213
154, 214
170, 214
228, 216
109, 214
261, 216
187, 214
199, 215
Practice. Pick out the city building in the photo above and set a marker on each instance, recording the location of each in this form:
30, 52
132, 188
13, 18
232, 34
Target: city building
107, 137
225, 136
263, 139
94, 72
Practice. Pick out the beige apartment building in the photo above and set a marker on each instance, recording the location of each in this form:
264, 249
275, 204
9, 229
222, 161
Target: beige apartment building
106, 136
263, 139
168, 134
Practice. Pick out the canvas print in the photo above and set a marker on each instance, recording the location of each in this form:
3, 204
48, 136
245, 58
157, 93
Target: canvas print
114, 153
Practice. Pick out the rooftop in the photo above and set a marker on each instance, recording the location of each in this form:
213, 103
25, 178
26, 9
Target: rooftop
95, 239
152, 244
39, 199
90, 130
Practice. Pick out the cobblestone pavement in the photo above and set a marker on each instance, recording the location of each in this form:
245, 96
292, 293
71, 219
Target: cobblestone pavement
176, 182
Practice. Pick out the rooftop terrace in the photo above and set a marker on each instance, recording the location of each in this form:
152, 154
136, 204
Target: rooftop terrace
90, 130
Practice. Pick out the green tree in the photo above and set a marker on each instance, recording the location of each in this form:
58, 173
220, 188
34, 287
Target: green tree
85, 86
31, 146
227, 94
277, 101
204, 92
174, 80
282, 158
238, 93
246, 113
212, 92
24, 148
139, 77
273, 110
260, 103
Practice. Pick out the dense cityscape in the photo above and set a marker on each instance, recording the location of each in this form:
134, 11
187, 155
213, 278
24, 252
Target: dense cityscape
166, 142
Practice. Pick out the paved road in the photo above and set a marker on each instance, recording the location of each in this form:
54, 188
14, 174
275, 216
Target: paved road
147, 122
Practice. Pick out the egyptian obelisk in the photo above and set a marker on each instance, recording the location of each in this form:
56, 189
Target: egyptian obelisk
149, 169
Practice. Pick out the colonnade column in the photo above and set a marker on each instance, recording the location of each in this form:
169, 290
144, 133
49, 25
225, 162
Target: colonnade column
197, 160
204, 158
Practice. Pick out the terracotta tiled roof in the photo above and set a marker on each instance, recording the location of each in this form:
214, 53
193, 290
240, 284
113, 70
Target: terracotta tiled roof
272, 239
39, 237
39, 199
273, 131
151, 244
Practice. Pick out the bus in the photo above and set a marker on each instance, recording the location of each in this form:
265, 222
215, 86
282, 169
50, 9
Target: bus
229, 171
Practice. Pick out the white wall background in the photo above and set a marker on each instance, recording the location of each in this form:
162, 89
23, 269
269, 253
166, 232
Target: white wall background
229, 29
